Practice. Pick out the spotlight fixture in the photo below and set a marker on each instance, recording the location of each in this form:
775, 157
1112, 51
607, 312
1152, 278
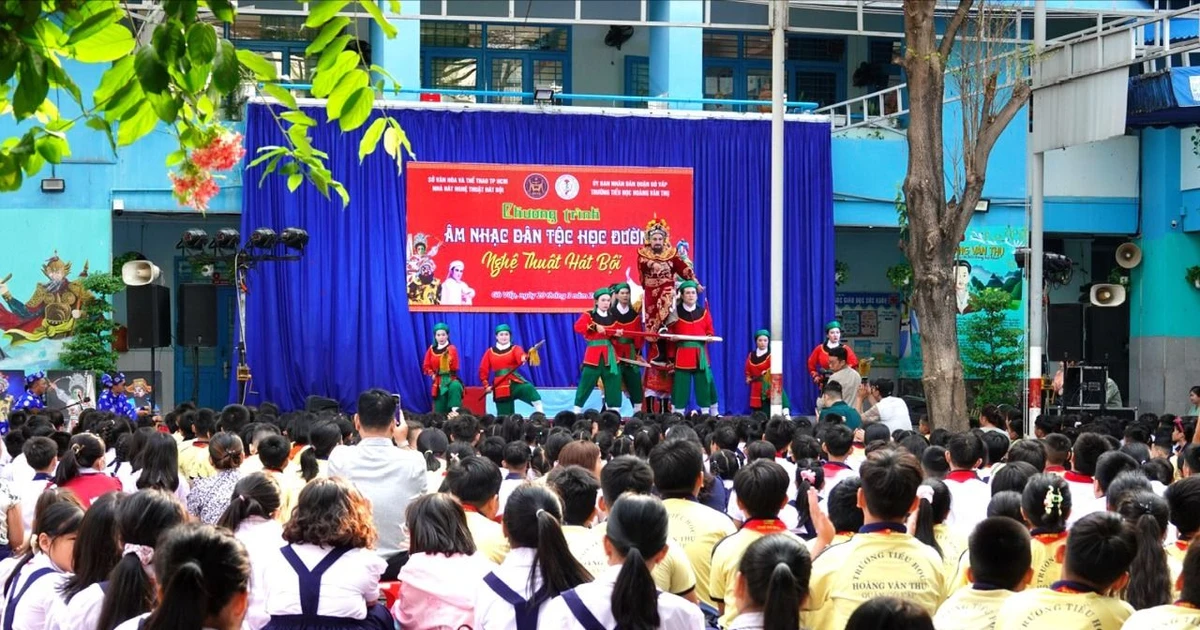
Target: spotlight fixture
294, 238
543, 96
194, 238
263, 238
54, 185
227, 238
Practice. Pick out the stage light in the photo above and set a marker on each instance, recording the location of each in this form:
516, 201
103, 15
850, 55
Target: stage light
227, 238
543, 96
294, 238
263, 238
194, 238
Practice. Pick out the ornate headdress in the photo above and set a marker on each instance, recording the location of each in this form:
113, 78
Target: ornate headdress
657, 225
420, 238
54, 263
33, 377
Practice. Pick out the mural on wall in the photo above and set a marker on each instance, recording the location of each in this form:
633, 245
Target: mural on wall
41, 274
985, 261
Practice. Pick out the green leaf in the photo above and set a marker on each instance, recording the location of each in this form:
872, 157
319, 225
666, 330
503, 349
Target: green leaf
326, 80
264, 70
113, 79
197, 77
357, 109
33, 87
377, 14
331, 30
293, 181
370, 139
59, 125
285, 97
341, 191
321, 12
136, 123
225, 69
347, 86
331, 52
391, 142
33, 164
166, 106
298, 118
58, 78
377, 69
201, 43
223, 9
95, 23
111, 43
269, 169
151, 71
269, 153
169, 41
394, 6
44, 37
123, 101
99, 124
175, 157
53, 149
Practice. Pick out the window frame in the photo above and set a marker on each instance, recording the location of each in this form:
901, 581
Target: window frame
484, 57
741, 65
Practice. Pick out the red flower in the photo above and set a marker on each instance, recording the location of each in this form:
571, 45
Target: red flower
194, 187
222, 154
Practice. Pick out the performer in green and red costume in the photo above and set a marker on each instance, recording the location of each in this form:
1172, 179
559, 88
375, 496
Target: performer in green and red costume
600, 358
504, 358
692, 367
629, 319
441, 362
758, 374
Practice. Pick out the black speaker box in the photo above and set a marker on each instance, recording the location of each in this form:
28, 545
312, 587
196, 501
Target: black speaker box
1065, 342
148, 311
197, 317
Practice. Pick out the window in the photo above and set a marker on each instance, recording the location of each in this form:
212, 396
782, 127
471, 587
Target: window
495, 58
737, 66
637, 79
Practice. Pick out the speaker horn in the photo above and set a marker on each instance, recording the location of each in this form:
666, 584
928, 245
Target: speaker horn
137, 273
1129, 256
1108, 295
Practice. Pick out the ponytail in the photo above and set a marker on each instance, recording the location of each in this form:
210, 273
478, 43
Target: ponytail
255, 495
924, 528
185, 601
1149, 577
431, 462
561, 571
83, 451
130, 593
142, 517
200, 570
1046, 502
633, 594
781, 610
309, 468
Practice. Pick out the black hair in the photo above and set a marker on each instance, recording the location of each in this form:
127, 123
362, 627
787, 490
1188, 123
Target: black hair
1125, 483
323, 437
1000, 553
84, 451
889, 613
492, 448
1100, 548
1006, 504
516, 454
843, 505
234, 418
762, 488
625, 474
760, 449
1149, 577
779, 433
838, 352
204, 422
1159, 469
995, 446
677, 464
1086, 452
1032, 452
56, 515
777, 569
256, 494
1058, 449
433, 443
837, 439
1012, 476
142, 518
725, 437
833, 388
1111, 464
1138, 451
225, 451
474, 480
532, 519
376, 409
39, 452
1047, 513
96, 549
966, 450
637, 530
1183, 500
933, 462
805, 446
577, 487
724, 464
1190, 457
932, 512
884, 386
437, 524
273, 452
200, 568
1190, 592
879, 431
889, 483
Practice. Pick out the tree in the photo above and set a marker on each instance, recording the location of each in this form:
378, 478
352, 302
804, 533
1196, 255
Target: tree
178, 74
937, 222
90, 346
993, 352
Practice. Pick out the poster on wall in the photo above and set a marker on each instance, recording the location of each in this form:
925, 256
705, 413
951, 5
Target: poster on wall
985, 261
71, 392
871, 325
12, 385
521, 238
41, 281
138, 387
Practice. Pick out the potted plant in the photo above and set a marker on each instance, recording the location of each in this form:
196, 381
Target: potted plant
1116, 277
840, 269
1193, 276
90, 346
901, 277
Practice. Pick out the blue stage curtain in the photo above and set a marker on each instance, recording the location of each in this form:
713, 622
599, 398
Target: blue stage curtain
337, 322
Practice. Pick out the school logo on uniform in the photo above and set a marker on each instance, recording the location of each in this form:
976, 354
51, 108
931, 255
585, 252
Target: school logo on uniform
536, 185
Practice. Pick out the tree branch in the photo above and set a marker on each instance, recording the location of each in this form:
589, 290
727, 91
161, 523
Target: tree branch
956, 22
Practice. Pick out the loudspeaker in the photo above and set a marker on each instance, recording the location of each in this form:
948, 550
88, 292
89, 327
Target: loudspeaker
1129, 256
136, 273
148, 309
1107, 295
1066, 332
1085, 386
197, 317
1108, 343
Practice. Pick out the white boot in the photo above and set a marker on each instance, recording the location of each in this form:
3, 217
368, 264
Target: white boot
713, 411
637, 408
537, 406
578, 409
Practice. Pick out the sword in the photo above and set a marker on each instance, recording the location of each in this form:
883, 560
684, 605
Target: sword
636, 362
671, 336
511, 375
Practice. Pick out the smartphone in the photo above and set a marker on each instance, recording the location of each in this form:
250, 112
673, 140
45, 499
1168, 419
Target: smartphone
399, 414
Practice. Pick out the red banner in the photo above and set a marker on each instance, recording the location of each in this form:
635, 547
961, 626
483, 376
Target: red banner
519, 238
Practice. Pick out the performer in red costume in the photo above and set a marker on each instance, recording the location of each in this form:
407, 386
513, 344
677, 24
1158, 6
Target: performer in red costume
658, 264
628, 319
758, 374
818, 361
504, 358
692, 368
600, 358
441, 362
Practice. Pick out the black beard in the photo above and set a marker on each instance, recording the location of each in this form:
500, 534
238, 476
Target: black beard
656, 248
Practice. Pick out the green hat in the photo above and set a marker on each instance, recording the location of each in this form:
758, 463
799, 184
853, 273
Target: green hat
502, 328
620, 285
833, 324
441, 326
601, 291
688, 284
762, 332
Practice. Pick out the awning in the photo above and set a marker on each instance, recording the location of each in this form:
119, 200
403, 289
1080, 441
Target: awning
1171, 97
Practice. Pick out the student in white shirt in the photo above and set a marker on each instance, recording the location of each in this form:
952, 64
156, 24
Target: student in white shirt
885, 408
253, 517
516, 470
96, 553
538, 567
43, 453
969, 494
203, 575
31, 589
1085, 454
772, 584
635, 540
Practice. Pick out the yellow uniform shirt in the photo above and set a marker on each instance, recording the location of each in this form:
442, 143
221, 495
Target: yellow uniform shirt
1169, 616
488, 535
289, 491
1042, 550
1176, 552
193, 460
673, 575
698, 528
954, 557
872, 564
587, 545
970, 609
728, 555
1054, 610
